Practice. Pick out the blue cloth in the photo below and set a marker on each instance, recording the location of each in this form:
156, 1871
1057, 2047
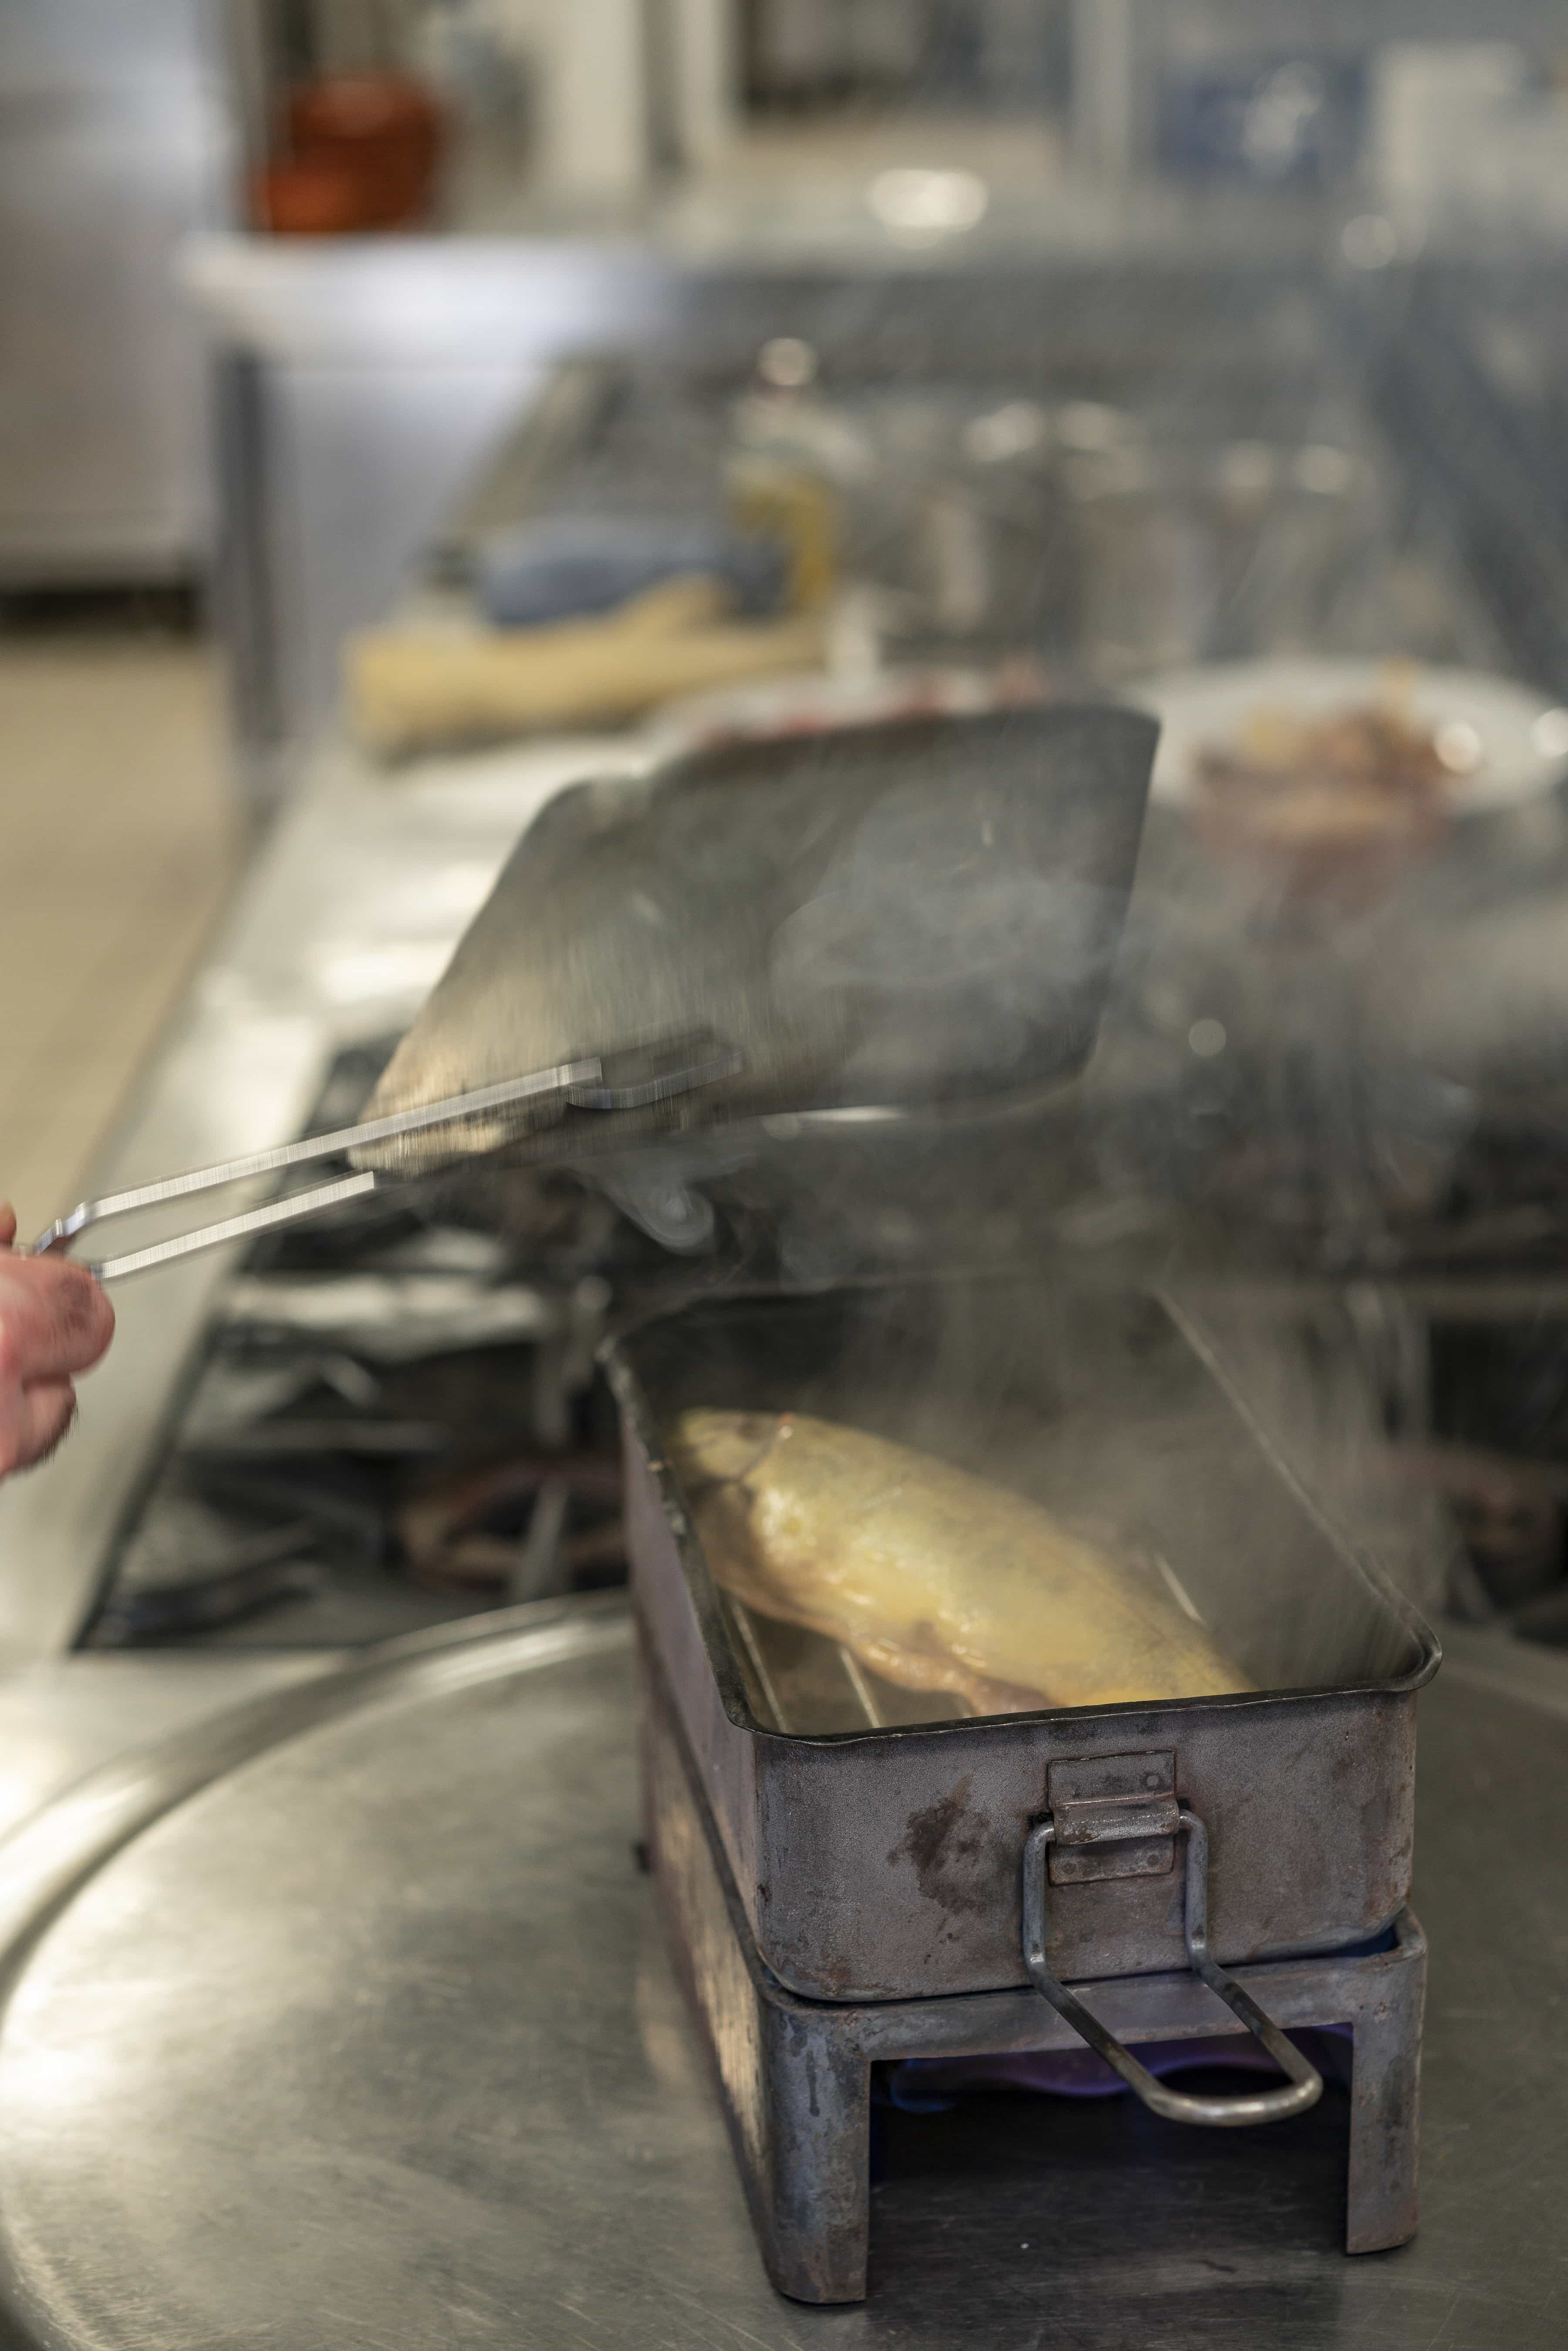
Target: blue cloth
570, 566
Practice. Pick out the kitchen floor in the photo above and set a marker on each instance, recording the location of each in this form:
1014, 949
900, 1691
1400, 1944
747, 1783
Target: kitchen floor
118, 840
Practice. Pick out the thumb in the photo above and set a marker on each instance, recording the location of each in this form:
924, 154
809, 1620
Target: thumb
8, 1224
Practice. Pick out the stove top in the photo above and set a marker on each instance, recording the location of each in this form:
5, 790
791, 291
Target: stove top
391, 1418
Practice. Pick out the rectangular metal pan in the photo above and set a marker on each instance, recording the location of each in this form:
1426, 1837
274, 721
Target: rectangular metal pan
884, 1861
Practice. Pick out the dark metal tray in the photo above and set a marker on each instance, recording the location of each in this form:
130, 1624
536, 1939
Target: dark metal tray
884, 1861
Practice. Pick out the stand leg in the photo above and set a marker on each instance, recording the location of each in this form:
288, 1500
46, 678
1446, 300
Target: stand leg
818, 2228
1381, 2207
794, 2080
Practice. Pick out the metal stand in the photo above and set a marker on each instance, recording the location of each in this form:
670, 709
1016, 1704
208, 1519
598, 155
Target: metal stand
794, 2075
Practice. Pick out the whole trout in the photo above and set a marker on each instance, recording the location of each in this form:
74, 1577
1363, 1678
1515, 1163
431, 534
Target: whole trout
936, 1580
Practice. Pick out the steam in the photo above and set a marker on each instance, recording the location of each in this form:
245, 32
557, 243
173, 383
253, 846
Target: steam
1297, 1100
1101, 1406
956, 957
1265, 1131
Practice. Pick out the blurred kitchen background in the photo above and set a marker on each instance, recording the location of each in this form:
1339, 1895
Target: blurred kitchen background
276, 274
971, 352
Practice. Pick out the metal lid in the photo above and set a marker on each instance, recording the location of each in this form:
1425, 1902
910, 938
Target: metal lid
886, 917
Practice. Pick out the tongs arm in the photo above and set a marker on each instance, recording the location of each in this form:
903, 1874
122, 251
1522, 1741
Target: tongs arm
243, 1226
537, 1084
632, 1078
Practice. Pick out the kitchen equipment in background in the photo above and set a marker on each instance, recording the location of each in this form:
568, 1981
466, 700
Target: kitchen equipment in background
1285, 1045
823, 700
827, 1846
416, 688
1213, 548
475, 59
591, 65
1106, 90
801, 52
345, 433
1443, 115
304, 196
388, 1418
1499, 1453
504, 1532
1503, 744
571, 565
1282, 119
947, 506
696, 81
1145, 574
361, 151
538, 102
117, 145
1108, 516
1340, 1018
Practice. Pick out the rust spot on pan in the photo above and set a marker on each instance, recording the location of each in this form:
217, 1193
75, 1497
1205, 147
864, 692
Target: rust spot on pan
955, 1853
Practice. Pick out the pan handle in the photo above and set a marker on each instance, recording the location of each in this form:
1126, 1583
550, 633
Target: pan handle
1304, 2084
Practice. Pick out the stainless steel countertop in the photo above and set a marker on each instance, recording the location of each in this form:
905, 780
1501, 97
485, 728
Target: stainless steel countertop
339, 931
343, 2020
539, 287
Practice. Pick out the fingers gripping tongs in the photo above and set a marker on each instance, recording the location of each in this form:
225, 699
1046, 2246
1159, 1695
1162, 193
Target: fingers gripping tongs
632, 1080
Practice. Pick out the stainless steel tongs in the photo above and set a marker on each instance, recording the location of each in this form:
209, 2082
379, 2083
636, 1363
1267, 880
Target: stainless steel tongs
630, 1079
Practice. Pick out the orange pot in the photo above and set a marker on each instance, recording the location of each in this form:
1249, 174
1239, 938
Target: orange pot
381, 128
298, 197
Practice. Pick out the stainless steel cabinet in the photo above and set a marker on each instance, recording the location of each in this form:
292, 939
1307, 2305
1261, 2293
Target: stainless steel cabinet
114, 144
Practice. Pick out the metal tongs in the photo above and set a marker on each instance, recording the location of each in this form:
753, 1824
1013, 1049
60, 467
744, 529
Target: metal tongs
630, 1079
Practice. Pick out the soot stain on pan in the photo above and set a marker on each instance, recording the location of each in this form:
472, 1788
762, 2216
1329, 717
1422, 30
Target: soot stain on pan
954, 1854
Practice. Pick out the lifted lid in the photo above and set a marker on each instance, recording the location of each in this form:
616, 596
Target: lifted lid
917, 915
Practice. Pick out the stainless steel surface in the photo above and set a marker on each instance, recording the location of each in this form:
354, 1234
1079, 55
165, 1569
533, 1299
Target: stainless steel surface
535, 297
115, 146
1304, 2086
344, 922
881, 1864
794, 2076
66, 1717
345, 2051
865, 935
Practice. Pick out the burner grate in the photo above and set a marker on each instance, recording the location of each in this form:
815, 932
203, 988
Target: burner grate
390, 1419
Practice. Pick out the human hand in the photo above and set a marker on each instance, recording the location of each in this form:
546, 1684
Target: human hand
55, 1321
